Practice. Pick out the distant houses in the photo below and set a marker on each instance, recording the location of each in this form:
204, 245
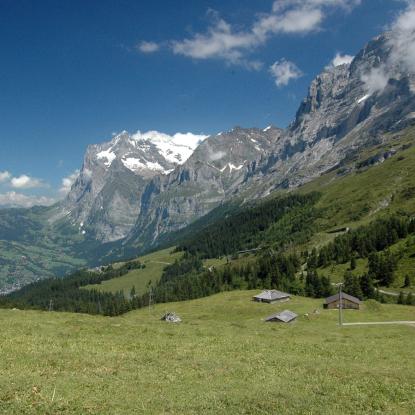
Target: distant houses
271, 297
285, 316
348, 302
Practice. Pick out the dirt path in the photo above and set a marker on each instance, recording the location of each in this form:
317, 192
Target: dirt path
389, 293
369, 323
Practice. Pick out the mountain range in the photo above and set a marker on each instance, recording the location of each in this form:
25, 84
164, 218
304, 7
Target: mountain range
137, 188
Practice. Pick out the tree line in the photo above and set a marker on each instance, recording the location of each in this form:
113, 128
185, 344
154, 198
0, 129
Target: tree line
65, 294
279, 222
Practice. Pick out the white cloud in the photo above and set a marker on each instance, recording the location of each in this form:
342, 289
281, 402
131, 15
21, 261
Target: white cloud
14, 199
148, 47
376, 79
5, 176
25, 182
402, 51
222, 41
340, 59
284, 71
403, 39
215, 156
67, 183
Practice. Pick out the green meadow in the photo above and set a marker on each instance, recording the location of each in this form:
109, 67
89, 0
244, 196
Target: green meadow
222, 359
139, 278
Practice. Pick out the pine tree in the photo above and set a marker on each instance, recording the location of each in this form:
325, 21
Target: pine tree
353, 263
352, 285
367, 287
407, 282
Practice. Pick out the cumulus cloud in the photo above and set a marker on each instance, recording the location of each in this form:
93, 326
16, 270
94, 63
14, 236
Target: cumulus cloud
14, 199
402, 51
67, 183
215, 156
340, 59
403, 39
26, 182
376, 79
222, 41
284, 71
5, 176
147, 47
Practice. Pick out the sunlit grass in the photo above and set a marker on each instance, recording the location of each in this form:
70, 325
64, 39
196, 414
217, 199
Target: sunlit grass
222, 359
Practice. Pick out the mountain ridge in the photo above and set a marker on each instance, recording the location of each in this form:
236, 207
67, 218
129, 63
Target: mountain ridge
130, 192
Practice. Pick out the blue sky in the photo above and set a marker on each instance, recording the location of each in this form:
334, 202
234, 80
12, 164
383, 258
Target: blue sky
73, 72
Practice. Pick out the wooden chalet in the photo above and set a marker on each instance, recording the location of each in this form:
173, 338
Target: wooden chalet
348, 302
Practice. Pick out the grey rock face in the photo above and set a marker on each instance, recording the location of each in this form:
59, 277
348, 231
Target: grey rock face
105, 200
137, 189
342, 113
211, 175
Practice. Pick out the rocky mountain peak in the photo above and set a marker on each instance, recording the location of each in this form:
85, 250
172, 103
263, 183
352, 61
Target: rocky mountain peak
106, 196
145, 184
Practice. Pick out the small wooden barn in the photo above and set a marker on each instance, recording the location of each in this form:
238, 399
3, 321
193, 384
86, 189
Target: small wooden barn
285, 316
271, 296
348, 302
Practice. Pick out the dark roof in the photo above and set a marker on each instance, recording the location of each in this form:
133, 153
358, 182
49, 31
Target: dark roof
272, 295
345, 296
285, 316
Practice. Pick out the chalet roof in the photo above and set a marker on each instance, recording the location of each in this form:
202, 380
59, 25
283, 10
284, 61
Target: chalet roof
285, 316
345, 296
272, 295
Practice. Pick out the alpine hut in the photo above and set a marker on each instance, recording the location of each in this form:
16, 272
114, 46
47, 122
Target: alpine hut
285, 316
347, 302
271, 296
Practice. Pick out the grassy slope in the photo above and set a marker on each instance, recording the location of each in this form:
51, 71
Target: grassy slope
139, 278
359, 197
155, 263
221, 360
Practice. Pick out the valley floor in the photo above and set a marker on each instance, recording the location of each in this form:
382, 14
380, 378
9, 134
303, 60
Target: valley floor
222, 359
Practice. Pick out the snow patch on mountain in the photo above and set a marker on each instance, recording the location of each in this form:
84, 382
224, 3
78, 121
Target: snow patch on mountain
364, 98
175, 148
231, 167
149, 151
136, 165
108, 155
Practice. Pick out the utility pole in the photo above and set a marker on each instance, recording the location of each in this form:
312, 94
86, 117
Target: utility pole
150, 299
340, 305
